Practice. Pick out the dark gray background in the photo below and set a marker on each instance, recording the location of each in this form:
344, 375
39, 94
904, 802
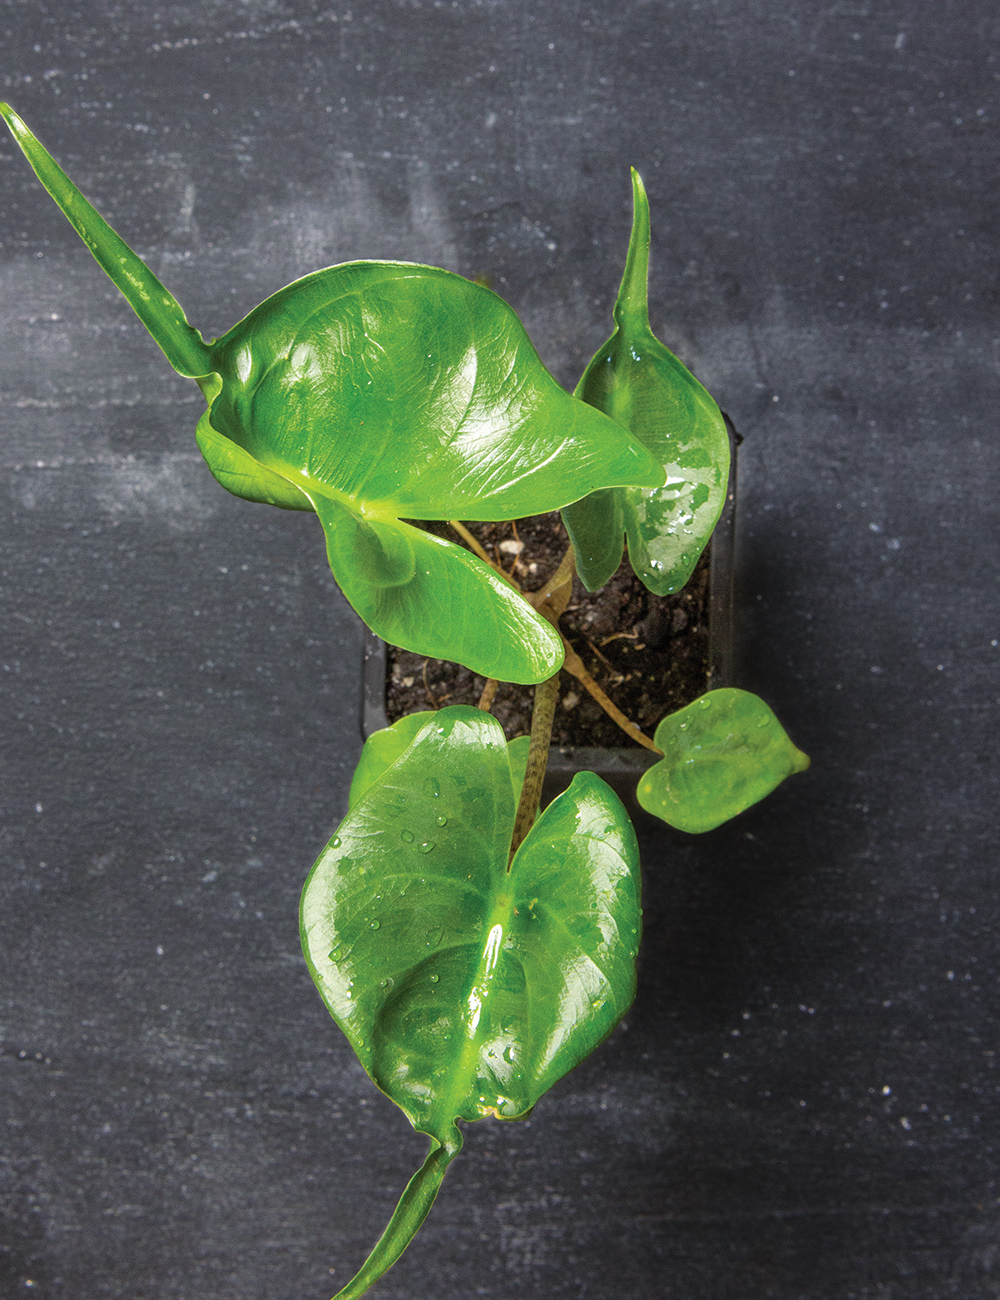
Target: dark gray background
803, 1103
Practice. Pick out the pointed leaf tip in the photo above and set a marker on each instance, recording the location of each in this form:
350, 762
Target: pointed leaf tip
158, 310
632, 305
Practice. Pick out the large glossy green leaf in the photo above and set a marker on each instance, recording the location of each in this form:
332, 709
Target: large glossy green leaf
643, 386
411, 392
722, 753
385, 391
466, 989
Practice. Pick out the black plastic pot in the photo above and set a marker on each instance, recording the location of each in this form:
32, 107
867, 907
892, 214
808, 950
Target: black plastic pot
620, 767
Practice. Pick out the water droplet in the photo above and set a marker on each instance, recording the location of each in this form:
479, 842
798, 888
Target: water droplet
335, 842
336, 953
508, 1053
376, 925
705, 702
441, 820
435, 978
432, 787
763, 722
406, 837
361, 1042
386, 984
426, 846
683, 726
446, 1037
434, 937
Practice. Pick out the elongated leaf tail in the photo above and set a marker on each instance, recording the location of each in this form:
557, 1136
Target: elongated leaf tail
158, 310
632, 306
409, 1214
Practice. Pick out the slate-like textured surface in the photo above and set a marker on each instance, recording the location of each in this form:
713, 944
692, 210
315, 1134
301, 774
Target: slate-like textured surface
803, 1103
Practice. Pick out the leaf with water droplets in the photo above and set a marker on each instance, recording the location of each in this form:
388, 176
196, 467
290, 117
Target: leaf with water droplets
502, 980
638, 382
384, 747
722, 754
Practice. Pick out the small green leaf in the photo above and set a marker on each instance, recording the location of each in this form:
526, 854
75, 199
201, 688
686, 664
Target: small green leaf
643, 386
722, 754
385, 391
465, 989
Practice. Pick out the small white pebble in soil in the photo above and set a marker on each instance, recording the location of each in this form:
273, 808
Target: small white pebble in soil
407, 681
570, 701
510, 547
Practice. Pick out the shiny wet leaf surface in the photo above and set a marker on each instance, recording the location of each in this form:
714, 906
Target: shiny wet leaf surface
643, 386
722, 754
466, 989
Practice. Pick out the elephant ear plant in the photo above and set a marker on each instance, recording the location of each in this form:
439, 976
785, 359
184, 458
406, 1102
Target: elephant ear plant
471, 949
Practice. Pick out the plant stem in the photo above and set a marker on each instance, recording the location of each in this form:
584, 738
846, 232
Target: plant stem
472, 542
573, 664
546, 694
488, 695
409, 1214
550, 600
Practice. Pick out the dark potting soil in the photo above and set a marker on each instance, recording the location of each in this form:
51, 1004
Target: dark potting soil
648, 653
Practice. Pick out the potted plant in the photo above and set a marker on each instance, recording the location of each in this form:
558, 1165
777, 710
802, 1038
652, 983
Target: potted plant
471, 948
637, 655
